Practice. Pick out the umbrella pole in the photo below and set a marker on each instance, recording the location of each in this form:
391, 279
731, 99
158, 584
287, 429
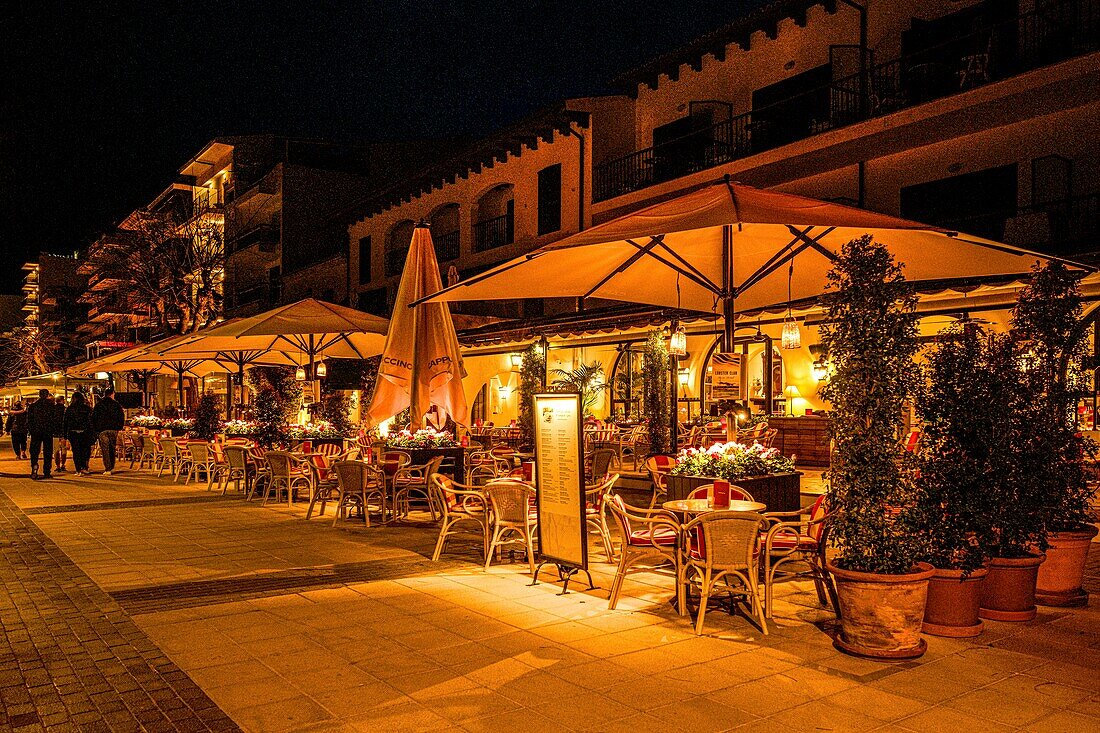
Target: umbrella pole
673, 394
179, 386
729, 309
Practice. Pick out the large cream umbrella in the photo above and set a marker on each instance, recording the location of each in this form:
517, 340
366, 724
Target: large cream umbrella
307, 331
421, 365
727, 247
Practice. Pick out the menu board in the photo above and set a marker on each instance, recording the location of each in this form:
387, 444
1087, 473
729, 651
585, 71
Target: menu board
559, 479
725, 376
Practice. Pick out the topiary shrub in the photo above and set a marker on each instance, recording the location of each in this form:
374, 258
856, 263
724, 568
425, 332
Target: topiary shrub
532, 376
870, 333
655, 397
208, 419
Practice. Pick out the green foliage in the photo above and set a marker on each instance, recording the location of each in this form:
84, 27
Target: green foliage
270, 416
963, 461
655, 397
287, 390
1051, 454
732, 461
586, 379
870, 334
532, 373
336, 410
207, 417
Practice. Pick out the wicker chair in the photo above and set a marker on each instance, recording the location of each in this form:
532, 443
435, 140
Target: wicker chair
596, 514
706, 491
600, 464
459, 503
287, 473
200, 463
411, 482
659, 467
722, 546
649, 536
258, 456
792, 539
322, 480
169, 458
150, 452
238, 468
357, 484
513, 518
634, 446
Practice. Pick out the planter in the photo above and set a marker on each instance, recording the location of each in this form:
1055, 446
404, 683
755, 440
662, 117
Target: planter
881, 615
953, 603
1060, 577
1008, 593
455, 467
179, 432
780, 492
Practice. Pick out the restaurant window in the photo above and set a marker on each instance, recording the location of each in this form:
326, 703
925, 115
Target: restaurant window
364, 260
549, 199
976, 203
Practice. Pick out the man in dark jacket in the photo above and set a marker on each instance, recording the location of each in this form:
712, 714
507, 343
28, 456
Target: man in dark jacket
42, 424
78, 431
17, 426
108, 418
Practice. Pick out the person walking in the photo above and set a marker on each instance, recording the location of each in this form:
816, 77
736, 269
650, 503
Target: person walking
61, 444
17, 426
79, 432
42, 425
108, 418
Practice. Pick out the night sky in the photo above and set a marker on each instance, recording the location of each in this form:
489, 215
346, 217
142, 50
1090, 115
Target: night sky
103, 101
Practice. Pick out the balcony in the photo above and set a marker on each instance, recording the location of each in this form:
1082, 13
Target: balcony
253, 295
1057, 32
447, 246
495, 232
266, 236
1065, 228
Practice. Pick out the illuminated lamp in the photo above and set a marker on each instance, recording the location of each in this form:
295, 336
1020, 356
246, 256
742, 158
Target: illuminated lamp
321, 370
683, 376
300, 374
677, 342
517, 360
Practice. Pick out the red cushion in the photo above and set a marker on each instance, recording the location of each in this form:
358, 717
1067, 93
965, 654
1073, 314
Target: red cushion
663, 536
787, 542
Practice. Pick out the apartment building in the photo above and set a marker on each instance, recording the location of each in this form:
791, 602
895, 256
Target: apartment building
980, 115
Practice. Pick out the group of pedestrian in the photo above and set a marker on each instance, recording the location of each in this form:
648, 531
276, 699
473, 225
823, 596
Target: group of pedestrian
76, 425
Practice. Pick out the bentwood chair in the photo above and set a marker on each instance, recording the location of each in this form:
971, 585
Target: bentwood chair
722, 547
649, 536
513, 518
460, 504
791, 538
595, 510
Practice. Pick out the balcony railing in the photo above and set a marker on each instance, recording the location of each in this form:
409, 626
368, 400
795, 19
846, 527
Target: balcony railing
1067, 227
493, 233
265, 235
1053, 33
447, 246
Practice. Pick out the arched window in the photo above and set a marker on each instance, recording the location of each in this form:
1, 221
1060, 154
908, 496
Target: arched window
626, 382
397, 246
495, 218
445, 234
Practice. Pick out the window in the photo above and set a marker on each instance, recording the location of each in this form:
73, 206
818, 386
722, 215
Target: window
397, 246
364, 260
550, 199
791, 109
375, 301
975, 203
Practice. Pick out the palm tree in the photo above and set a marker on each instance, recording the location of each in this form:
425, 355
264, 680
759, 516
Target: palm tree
586, 379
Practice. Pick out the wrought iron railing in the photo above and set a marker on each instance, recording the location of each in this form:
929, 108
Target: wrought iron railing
493, 233
447, 246
1066, 227
1055, 32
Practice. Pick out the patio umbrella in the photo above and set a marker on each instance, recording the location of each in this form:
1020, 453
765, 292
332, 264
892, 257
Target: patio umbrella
305, 331
727, 247
148, 358
421, 365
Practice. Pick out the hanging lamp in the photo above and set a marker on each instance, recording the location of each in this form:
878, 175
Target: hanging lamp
677, 342
792, 335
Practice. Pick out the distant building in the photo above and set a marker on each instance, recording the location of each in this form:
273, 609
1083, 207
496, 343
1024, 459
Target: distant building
51, 289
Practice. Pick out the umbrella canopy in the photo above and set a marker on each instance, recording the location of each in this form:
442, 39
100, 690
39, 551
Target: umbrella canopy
310, 328
146, 358
727, 244
421, 365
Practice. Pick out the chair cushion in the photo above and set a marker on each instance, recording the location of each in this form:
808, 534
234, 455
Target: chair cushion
787, 542
662, 536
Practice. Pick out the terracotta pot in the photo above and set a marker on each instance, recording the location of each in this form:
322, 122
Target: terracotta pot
1008, 593
953, 601
881, 615
1061, 576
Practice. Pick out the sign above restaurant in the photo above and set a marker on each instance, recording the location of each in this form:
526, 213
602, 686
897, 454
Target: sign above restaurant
559, 480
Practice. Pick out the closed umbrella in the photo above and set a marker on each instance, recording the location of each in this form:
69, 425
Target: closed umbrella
421, 365
728, 247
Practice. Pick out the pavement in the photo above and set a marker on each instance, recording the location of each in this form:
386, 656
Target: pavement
135, 603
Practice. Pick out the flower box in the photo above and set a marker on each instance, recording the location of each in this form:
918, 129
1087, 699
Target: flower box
780, 492
457, 456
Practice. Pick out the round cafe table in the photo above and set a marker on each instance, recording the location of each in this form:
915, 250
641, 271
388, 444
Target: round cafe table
702, 506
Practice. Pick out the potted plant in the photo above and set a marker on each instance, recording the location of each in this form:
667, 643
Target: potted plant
1047, 317
870, 333
765, 473
587, 380
952, 509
